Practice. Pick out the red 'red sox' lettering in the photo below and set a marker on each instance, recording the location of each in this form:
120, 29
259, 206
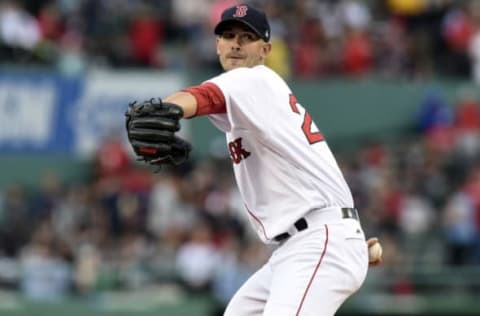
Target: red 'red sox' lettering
237, 152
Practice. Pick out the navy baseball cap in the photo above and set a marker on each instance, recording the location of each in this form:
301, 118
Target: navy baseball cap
255, 19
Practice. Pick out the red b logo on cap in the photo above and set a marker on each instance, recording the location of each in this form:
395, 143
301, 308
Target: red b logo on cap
241, 11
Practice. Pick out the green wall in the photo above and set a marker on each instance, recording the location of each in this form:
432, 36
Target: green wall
29, 170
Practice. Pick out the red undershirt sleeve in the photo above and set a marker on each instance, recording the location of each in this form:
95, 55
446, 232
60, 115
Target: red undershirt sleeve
210, 99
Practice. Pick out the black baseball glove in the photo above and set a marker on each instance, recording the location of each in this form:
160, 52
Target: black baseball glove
151, 127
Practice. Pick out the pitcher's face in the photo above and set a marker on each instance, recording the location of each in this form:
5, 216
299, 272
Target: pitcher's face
238, 46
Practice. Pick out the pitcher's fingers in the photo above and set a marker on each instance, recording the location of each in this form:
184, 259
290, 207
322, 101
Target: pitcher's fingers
372, 241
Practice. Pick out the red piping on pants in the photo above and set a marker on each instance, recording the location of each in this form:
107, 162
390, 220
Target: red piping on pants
314, 272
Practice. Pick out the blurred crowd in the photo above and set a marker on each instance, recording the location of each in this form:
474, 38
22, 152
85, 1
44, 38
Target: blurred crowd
413, 39
126, 227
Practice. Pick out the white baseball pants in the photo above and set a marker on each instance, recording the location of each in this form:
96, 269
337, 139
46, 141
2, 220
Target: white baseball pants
311, 274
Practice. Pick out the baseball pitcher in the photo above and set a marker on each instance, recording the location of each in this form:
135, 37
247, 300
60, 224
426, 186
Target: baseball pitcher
293, 190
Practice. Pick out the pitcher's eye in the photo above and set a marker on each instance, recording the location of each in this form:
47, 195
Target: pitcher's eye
249, 37
228, 35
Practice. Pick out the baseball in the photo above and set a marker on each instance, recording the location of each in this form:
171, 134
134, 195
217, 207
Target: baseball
375, 252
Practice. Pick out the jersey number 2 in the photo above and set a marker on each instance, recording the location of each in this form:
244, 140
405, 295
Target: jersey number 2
307, 123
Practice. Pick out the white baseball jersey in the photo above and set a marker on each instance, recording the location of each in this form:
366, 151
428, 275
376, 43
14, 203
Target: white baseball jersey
283, 167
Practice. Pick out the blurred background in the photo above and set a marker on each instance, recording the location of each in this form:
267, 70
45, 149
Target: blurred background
84, 228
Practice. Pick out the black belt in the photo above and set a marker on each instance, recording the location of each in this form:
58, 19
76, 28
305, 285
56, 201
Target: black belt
301, 224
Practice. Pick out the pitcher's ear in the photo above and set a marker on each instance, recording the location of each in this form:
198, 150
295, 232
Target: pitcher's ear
267, 48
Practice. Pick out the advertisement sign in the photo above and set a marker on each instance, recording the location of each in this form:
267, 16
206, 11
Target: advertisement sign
42, 112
